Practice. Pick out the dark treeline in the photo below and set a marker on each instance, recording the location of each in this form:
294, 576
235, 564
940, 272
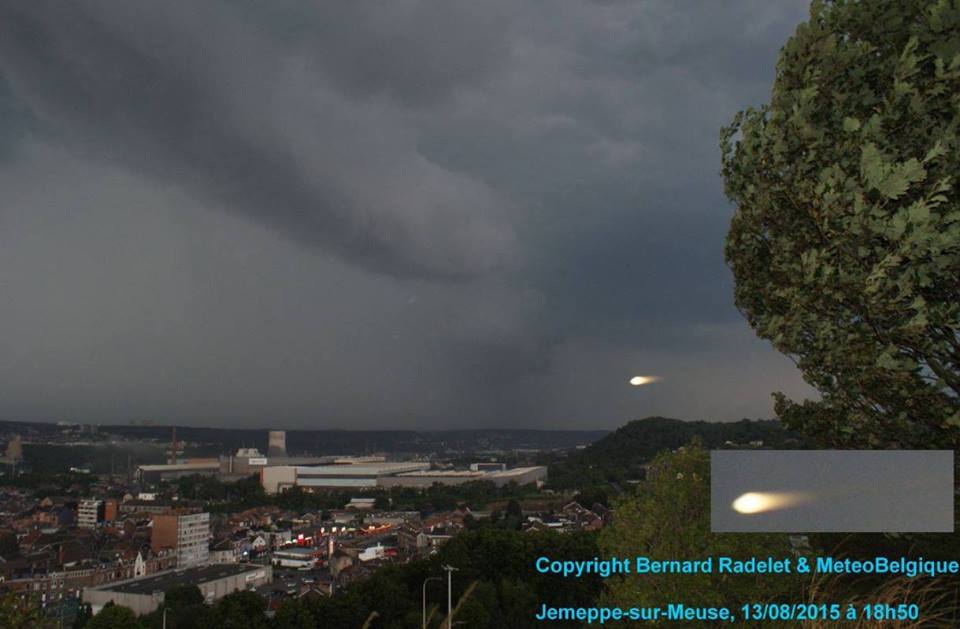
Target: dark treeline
622, 454
331, 442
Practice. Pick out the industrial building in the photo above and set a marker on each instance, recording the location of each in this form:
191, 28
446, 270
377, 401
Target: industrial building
249, 461
426, 478
155, 473
278, 471
143, 595
278, 478
245, 462
398, 474
231, 467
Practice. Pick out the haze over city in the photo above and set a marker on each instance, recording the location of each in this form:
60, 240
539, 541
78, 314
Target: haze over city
411, 215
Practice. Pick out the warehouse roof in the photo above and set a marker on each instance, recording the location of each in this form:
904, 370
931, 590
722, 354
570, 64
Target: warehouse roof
163, 581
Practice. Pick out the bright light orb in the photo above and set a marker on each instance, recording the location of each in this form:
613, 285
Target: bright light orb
639, 381
751, 502
760, 502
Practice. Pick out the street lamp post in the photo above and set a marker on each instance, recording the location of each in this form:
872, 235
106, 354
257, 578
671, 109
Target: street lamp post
427, 580
449, 570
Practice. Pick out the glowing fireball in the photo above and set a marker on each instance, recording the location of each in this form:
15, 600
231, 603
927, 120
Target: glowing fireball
760, 502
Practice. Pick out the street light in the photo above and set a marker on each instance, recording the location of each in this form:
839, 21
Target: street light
427, 580
449, 570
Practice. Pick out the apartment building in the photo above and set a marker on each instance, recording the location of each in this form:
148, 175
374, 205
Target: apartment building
185, 531
89, 513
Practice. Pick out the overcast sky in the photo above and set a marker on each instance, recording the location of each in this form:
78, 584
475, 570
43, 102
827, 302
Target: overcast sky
409, 214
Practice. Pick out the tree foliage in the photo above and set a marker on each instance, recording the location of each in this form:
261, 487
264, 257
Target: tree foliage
669, 519
114, 617
499, 566
624, 453
845, 244
293, 614
185, 608
15, 614
239, 610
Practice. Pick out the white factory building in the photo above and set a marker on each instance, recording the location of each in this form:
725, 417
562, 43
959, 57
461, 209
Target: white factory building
363, 476
418, 474
426, 478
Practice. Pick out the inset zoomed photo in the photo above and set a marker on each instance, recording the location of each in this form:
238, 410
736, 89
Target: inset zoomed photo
831, 491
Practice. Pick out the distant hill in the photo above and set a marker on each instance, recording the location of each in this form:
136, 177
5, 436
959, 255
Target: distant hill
222, 440
621, 454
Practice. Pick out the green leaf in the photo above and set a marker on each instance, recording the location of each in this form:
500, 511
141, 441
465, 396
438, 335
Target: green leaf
953, 420
899, 179
872, 168
919, 213
938, 150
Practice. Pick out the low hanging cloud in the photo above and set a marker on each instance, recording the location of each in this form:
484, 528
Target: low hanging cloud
416, 213
203, 100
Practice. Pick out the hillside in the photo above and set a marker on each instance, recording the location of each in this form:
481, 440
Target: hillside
620, 455
211, 441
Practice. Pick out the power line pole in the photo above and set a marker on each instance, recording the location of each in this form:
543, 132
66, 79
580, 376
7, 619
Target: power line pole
449, 570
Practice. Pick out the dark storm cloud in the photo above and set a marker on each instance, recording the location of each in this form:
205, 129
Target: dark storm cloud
416, 52
156, 100
417, 212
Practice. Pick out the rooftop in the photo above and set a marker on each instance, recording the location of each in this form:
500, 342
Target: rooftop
480, 474
374, 469
176, 467
163, 581
447, 473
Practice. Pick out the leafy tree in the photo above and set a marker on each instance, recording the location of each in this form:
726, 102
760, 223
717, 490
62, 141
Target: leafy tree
293, 614
479, 607
348, 608
518, 600
624, 453
16, 615
240, 610
114, 617
200, 487
185, 609
181, 596
84, 614
669, 519
845, 244
494, 554
592, 496
499, 562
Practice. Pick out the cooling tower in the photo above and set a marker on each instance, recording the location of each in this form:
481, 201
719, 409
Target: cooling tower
277, 443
